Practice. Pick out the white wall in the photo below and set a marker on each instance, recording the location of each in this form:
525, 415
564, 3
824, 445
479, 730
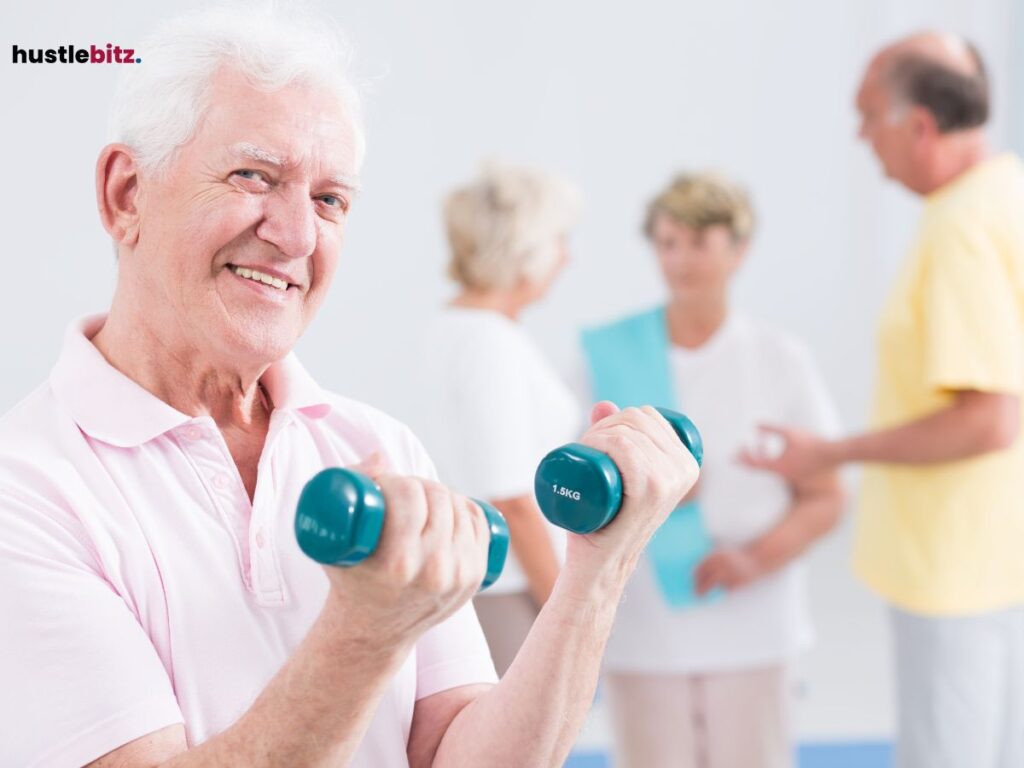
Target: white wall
616, 96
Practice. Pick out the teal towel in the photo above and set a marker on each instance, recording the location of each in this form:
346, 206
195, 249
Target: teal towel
628, 364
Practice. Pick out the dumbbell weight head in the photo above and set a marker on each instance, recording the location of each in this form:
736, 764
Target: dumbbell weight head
340, 516
580, 489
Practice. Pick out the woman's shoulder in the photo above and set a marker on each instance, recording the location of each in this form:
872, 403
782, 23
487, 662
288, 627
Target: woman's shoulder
475, 326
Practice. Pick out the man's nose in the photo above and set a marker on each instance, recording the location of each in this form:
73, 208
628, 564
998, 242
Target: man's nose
290, 222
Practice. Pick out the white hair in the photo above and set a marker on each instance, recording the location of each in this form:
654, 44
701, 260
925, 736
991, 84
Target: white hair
160, 101
505, 226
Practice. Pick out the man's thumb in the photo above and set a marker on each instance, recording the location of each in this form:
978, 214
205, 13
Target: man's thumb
602, 410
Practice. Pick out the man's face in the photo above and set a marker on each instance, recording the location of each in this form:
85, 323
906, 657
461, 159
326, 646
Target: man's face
261, 192
886, 127
696, 263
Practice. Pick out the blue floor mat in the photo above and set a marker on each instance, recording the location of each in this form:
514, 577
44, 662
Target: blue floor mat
856, 755
828, 755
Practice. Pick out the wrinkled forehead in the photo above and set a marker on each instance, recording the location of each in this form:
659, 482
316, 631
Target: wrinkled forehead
299, 127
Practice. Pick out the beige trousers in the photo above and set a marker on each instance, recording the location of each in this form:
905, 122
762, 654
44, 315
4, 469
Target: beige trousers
721, 720
506, 620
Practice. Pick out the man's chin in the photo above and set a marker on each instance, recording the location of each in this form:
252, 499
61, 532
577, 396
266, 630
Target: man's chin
259, 340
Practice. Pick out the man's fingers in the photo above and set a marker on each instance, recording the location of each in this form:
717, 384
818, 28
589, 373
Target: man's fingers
755, 460
439, 525
774, 429
470, 538
649, 431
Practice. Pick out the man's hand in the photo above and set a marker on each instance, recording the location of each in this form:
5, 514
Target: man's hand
657, 471
804, 454
430, 561
975, 423
692, 494
727, 567
548, 689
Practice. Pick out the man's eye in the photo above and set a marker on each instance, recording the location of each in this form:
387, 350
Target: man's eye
248, 173
334, 201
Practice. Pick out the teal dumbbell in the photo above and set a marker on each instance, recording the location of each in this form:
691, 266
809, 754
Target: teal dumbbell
580, 489
340, 517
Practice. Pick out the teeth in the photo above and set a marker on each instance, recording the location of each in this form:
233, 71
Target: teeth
259, 277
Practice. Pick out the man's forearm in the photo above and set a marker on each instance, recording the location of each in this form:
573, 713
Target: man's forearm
315, 710
533, 715
970, 427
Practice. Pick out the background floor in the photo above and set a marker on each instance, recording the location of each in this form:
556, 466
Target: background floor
842, 688
866, 755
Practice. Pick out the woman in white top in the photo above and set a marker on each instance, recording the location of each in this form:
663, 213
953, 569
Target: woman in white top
697, 682
494, 405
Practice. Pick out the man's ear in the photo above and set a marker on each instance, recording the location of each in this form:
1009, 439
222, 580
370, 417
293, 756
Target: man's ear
922, 123
117, 185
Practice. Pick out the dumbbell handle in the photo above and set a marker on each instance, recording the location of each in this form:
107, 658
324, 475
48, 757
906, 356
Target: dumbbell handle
340, 516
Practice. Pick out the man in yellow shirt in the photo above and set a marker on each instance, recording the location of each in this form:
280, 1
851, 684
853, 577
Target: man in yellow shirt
940, 534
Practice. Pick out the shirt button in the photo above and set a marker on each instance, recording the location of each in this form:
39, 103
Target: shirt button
193, 432
259, 539
220, 481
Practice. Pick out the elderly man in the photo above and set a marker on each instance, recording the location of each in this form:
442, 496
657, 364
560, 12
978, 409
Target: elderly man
156, 607
941, 530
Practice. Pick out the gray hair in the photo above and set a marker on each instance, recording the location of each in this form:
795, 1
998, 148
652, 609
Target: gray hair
505, 226
160, 101
958, 100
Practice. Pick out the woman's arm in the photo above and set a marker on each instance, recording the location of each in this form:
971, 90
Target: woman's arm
531, 544
816, 508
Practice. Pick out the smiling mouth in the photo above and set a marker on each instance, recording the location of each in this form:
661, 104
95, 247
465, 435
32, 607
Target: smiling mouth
259, 277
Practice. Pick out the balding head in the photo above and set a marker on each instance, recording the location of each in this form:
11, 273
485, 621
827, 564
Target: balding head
942, 73
922, 102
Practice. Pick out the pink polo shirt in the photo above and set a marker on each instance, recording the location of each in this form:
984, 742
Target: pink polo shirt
139, 587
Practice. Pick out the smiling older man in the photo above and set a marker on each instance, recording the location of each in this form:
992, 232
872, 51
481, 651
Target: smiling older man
156, 607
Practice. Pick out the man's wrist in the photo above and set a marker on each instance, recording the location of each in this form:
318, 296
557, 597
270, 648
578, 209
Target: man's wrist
839, 452
587, 591
341, 633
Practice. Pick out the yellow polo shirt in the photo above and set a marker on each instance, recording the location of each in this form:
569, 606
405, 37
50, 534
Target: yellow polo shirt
948, 539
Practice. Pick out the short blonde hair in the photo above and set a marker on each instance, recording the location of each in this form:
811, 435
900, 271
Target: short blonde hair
505, 226
702, 200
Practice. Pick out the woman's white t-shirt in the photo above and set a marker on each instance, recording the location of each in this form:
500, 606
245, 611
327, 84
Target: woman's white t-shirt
492, 408
743, 376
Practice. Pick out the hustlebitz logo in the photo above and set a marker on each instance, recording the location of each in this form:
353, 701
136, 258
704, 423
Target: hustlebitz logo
70, 54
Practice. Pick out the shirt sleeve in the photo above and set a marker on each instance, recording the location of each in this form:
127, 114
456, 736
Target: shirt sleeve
452, 654
80, 676
972, 325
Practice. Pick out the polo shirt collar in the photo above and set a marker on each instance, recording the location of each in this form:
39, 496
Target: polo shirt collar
109, 406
